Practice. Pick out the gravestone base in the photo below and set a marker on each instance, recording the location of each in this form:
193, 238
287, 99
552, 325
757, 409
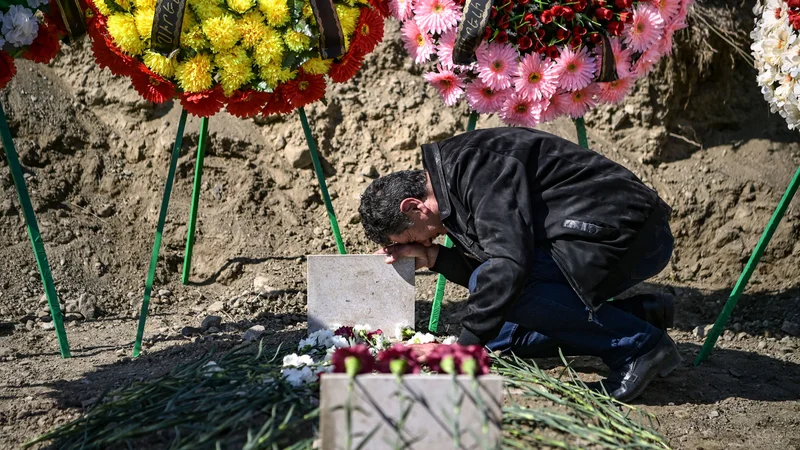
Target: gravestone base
440, 412
359, 290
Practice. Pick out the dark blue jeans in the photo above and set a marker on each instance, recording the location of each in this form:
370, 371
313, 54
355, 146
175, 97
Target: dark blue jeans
549, 314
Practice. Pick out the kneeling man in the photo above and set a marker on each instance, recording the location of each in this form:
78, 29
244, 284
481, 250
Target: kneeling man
545, 232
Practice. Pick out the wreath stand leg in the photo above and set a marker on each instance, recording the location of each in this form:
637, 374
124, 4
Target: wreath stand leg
312, 147
715, 332
34, 235
198, 179
162, 215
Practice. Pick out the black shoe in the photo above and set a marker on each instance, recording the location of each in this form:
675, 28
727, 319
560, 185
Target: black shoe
658, 309
630, 381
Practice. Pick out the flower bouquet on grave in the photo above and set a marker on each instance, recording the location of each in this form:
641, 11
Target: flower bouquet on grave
251, 56
776, 49
531, 61
32, 29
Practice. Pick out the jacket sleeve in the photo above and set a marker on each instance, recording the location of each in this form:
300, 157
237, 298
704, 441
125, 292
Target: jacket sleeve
495, 189
454, 265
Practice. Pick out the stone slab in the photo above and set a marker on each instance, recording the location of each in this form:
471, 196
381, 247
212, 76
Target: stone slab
359, 290
432, 399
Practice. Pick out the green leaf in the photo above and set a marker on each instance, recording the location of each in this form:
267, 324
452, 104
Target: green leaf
113, 6
296, 10
293, 60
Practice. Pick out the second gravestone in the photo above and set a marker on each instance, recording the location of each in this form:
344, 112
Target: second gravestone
359, 290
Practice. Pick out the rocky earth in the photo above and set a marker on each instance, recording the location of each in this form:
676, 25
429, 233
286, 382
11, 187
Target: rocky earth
95, 158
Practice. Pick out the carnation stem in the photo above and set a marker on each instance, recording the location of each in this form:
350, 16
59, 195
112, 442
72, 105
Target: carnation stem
162, 216
34, 235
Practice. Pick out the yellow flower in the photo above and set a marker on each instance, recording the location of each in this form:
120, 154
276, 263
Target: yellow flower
240, 6
145, 4
102, 7
234, 69
194, 38
270, 49
194, 74
160, 64
221, 32
206, 9
274, 74
252, 28
144, 22
295, 41
317, 66
122, 28
348, 17
276, 11
308, 12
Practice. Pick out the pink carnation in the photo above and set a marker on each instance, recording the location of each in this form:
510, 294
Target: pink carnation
449, 85
578, 103
418, 44
646, 28
622, 58
667, 8
647, 62
483, 99
518, 110
537, 78
497, 63
444, 50
436, 16
400, 9
665, 45
575, 70
554, 108
614, 91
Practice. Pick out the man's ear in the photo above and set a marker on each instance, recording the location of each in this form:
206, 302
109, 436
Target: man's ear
409, 205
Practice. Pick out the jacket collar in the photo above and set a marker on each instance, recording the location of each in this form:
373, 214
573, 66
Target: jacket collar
432, 163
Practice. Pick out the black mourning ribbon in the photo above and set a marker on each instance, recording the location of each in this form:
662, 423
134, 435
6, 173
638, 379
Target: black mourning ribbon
72, 16
165, 37
608, 65
331, 37
470, 31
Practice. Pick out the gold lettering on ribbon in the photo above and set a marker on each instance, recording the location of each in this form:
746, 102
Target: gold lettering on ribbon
167, 23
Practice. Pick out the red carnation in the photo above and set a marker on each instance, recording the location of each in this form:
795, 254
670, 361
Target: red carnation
347, 67
523, 2
793, 3
45, 47
604, 14
580, 5
305, 89
557, 10
525, 29
595, 38
575, 42
493, 12
615, 28
7, 68
569, 14
151, 86
246, 103
524, 43
279, 104
623, 4
347, 332
363, 361
540, 34
369, 31
203, 104
487, 33
529, 18
508, 7
501, 38
599, 2
547, 16
552, 52
579, 31
504, 23
399, 360
626, 17
382, 6
562, 34
539, 47
470, 360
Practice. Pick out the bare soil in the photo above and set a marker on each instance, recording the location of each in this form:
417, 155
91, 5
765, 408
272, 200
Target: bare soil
96, 158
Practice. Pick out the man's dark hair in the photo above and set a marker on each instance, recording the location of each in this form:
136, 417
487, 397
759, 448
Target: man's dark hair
380, 203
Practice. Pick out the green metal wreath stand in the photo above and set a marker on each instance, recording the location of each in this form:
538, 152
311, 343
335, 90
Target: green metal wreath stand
34, 235
196, 186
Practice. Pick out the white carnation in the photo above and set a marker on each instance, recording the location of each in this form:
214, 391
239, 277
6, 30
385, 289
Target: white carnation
422, 338
299, 377
19, 26
449, 340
